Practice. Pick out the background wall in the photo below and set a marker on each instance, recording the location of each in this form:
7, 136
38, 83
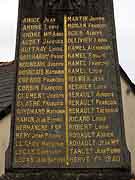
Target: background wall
4, 140
129, 119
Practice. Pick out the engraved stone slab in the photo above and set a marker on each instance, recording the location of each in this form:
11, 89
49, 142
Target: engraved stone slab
68, 109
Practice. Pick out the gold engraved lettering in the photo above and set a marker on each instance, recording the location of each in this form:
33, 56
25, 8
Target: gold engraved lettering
85, 18
55, 96
53, 104
80, 94
107, 110
79, 110
29, 95
31, 20
79, 55
31, 27
80, 142
49, 111
83, 78
80, 126
31, 34
49, 20
27, 72
31, 111
29, 80
53, 27
104, 94
28, 88
81, 102
61, 86
101, 127
116, 158
52, 88
33, 49
30, 42
32, 127
83, 71
101, 134
54, 34
106, 102
58, 42
34, 56
48, 71
107, 150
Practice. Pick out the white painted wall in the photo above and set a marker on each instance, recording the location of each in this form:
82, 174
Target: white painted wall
129, 119
4, 140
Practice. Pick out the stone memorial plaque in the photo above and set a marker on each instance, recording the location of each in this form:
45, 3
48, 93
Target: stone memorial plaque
68, 109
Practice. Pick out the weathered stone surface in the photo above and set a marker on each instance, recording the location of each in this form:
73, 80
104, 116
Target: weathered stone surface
68, 108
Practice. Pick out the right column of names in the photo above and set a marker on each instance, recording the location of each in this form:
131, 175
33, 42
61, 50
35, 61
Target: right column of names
92, 92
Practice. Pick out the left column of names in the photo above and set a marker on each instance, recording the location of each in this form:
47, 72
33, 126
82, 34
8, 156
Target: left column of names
39, 137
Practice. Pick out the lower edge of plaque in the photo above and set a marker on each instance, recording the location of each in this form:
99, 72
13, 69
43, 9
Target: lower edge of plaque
96, 174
